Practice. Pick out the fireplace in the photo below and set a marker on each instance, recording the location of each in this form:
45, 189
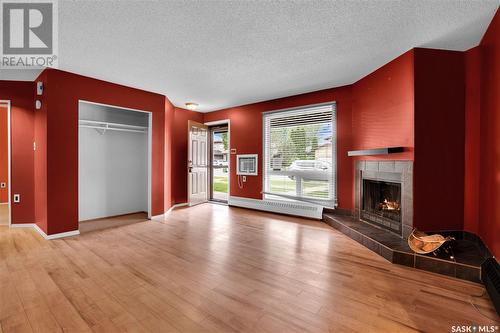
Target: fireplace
381, 204
384, 195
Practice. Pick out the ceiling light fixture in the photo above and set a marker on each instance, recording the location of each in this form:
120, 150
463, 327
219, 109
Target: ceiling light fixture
191, 106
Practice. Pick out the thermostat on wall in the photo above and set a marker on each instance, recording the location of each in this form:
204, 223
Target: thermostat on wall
246, 165
39, 88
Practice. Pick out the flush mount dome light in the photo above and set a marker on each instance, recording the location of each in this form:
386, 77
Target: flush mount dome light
191, 106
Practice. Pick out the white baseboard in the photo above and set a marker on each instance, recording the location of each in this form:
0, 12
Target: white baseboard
162, 216
281, 207
43, 234
22, 225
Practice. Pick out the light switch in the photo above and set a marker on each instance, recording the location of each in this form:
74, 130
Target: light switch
17, 198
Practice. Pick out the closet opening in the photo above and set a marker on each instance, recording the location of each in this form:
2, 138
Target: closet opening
114, 166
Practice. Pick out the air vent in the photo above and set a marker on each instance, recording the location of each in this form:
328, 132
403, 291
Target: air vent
490, 274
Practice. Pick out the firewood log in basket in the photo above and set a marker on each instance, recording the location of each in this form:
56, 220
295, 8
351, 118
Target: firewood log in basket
422, 243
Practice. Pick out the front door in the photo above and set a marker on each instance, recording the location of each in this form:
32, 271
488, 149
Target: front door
197, 163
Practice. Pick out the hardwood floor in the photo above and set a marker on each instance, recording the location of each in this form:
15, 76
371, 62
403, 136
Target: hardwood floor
211, 268
4, 214
111, 222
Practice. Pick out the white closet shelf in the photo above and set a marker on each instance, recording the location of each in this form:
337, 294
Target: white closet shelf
106, 126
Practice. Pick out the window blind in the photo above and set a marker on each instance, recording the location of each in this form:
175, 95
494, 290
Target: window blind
300, 154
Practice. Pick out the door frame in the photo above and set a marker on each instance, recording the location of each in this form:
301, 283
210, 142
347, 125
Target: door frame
212, 130
150, 146
9, 160
223, 122
188, 151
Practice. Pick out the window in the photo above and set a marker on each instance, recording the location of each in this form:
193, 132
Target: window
300, 154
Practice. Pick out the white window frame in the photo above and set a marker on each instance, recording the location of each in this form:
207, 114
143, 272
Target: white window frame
325, 203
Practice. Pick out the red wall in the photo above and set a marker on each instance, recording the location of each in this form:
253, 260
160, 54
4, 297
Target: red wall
62, 92
4, 153
168, 186
40, 165
22, 122
472, 139
376, 111
179, 152
246, 138
382, 109
438, 177
489, 214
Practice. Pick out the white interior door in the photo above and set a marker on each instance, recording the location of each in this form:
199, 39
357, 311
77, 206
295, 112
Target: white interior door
197, 163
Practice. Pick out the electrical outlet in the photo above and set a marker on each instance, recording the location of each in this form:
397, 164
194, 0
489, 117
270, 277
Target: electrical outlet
244, 178
3, 185
17, 198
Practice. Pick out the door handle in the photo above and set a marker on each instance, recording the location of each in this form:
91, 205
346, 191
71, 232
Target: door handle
190, 169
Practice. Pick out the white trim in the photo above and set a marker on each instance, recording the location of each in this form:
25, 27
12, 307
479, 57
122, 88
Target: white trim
9, 161
43, 234
56, 236
4, 203
22, 225
150, 145
218, 122
334, 146
175, 206
280, 207
150, 161
162, 216
112, 106
305, 106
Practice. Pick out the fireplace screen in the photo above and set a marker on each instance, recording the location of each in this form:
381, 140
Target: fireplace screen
381, 203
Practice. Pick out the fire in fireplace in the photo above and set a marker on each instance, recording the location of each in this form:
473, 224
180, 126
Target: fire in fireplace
381, 204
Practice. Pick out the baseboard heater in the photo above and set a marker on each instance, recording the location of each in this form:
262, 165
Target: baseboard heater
277, 206
490, 274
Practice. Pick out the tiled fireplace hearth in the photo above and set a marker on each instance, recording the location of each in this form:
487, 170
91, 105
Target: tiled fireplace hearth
384, 195
383, 219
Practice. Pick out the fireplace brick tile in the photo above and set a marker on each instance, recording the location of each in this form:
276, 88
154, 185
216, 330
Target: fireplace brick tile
387, 253
387, 166
405, 259
371, 166
465, 265
372, 245
468, 273
435, 265
356, 236
407, 230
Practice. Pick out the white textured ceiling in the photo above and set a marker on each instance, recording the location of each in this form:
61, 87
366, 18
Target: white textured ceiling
227, 53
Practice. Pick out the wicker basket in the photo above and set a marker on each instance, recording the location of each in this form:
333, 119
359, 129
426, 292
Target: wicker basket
422, 243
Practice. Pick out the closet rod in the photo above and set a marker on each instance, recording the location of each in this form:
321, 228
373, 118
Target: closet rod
111, 124
113, 129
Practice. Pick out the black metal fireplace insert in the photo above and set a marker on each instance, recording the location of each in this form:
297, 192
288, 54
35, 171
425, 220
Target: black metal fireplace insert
381, 204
